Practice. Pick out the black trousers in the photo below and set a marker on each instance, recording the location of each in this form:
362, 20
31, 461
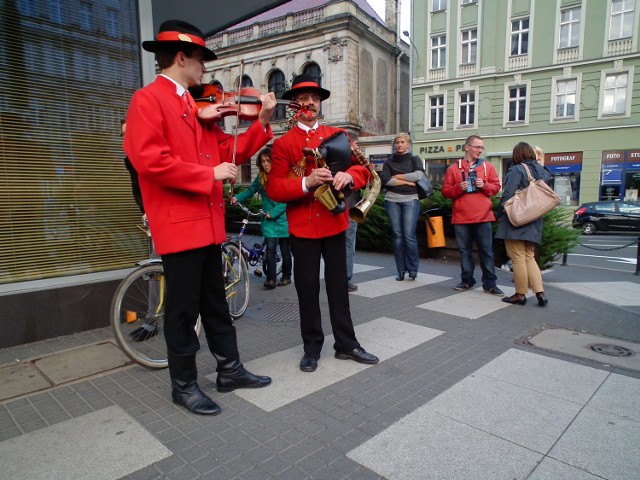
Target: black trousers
306, 269
195, 287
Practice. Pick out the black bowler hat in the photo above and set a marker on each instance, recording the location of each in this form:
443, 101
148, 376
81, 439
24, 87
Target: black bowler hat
305, 83
178, 32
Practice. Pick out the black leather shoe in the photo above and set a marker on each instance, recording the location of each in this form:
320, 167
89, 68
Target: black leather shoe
193, 399
359, 355
515, 299
400, 277
309, 362
239, 378
270, 284
413, 275
143, 333
284, 281
542, 300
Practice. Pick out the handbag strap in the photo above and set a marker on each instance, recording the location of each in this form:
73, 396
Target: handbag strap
529, 176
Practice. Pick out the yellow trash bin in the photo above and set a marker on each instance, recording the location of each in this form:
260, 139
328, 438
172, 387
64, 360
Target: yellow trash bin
435, 232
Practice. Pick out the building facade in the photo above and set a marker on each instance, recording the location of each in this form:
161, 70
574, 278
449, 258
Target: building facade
558, 74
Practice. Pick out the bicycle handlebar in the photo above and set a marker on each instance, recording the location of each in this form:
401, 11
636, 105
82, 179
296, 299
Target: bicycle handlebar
259, 214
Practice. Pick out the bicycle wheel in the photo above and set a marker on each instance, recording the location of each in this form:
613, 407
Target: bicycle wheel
236, 279
137, 316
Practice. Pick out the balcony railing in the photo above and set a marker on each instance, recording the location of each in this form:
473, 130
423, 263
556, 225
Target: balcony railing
566, 55
619, 47
467, 70
437, 75
518, 62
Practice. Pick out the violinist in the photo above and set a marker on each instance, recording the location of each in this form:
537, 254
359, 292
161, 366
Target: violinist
182, 164
315, 231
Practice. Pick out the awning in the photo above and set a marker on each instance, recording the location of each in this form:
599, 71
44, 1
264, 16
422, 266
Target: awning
210, 16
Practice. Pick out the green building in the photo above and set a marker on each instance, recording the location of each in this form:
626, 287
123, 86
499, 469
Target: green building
558, 74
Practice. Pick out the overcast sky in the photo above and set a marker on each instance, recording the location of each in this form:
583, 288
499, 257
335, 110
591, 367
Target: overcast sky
405, 8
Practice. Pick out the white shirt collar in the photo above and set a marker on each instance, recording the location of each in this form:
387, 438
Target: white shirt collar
179, 88
306, 129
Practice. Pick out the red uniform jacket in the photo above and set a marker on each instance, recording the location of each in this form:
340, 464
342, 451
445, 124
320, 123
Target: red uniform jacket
307, 217
471, 207
174, 155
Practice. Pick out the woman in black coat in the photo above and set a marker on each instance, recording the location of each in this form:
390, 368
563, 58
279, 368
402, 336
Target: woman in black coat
521, 242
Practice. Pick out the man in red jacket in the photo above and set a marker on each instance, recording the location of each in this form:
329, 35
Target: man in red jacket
181, 165
315, 232
470, 183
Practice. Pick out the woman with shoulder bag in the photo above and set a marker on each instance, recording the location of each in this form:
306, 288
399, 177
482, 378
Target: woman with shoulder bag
520, 242
399, 176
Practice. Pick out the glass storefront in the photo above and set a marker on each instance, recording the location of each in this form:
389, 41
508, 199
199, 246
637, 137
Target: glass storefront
620, 175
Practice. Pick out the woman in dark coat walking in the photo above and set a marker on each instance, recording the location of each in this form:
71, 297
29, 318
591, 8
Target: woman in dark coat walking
521, 242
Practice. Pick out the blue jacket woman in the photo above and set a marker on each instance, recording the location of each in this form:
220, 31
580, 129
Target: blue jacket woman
520, 242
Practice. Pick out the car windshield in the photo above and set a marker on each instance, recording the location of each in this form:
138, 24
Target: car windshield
629, 208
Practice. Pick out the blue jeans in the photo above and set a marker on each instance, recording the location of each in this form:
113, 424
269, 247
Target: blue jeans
482, 234
350, 238
285, 251
403, 218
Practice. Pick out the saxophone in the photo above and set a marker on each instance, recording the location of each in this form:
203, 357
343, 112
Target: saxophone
358, 212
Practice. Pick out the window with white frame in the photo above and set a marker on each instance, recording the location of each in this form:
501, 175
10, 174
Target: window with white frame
438, 51
520, 36
469, 45
621, 23
436, 112
566, 91
467, 2
614, 93
517, 104
467, 109
438, 5
570, 27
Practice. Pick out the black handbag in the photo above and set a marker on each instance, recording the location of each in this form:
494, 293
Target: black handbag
423, 185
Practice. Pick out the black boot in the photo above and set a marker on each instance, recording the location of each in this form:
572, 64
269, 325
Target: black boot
184, 386
233, 375
231, 372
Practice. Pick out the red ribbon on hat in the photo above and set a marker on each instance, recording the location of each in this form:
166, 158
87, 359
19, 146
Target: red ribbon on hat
305, 85
180, 37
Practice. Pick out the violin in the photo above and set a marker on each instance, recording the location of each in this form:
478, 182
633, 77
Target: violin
214, 104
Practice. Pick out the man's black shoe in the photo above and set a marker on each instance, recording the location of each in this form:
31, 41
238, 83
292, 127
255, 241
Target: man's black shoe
240, 378
359, 355
284, 281
270, 284
193, 399
309, 362
143, 333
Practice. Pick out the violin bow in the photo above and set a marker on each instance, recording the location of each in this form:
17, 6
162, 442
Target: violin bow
235, 132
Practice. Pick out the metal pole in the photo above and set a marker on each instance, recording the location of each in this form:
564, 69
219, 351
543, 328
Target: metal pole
564, 259
638, 258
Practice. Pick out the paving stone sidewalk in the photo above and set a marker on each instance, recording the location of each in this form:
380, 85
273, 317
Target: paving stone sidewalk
421, 396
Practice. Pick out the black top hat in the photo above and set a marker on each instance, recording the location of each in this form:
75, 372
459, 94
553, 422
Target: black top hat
307, 84
178, 32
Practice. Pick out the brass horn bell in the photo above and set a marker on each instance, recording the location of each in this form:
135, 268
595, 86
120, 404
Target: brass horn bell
325, 196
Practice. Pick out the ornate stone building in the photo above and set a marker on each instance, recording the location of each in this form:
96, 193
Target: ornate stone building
343, 44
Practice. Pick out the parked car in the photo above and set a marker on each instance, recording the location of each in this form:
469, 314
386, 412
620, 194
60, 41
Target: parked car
607, 216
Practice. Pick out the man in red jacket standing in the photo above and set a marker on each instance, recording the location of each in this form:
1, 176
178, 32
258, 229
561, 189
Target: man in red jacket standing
181, 165
470, 183
315, 232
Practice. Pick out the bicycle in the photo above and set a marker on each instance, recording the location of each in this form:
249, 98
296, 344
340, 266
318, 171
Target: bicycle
137, 308
256, 255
